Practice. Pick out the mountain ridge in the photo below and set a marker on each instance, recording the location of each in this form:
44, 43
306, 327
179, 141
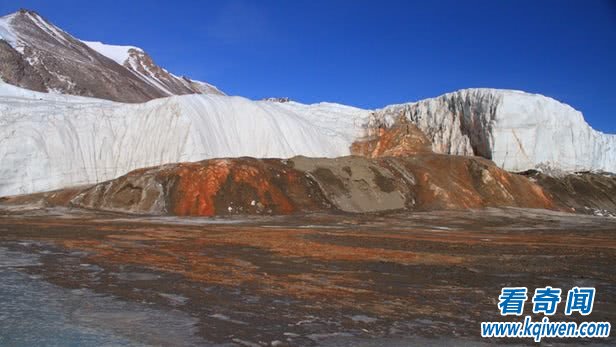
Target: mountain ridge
37, 55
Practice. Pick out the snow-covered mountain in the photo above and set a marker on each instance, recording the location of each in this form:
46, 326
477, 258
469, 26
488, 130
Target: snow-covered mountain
141, 64
37, 55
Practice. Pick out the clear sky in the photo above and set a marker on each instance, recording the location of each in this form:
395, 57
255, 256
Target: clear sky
366, 53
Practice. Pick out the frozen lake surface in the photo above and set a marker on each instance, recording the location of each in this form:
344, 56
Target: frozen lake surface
36, 313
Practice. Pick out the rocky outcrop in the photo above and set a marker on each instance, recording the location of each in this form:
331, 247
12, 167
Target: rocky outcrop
38, 55
142, 65
207, 188
349, 184
16, 70
273, 99
583, 192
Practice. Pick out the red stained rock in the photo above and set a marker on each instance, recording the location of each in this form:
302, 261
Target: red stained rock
402, 139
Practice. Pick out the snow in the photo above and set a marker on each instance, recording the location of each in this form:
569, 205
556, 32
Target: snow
119, 54
10, 93
50, 141
6, 32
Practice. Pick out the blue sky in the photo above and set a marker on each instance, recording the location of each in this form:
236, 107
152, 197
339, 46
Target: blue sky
367, 53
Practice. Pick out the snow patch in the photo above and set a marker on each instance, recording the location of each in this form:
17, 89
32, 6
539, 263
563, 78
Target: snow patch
119, 54
6, 32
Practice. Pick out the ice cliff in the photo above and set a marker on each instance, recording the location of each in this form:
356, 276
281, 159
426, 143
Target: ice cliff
517, 130
50, 141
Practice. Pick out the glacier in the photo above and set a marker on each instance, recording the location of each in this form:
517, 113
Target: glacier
517, 130
51, 141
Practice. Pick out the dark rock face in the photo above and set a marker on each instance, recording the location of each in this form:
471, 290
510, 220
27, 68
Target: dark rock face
16, 70
143, 66
207, 188
46, 58
588, 193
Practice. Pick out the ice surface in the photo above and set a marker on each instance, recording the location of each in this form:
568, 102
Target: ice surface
37, 313
53, 141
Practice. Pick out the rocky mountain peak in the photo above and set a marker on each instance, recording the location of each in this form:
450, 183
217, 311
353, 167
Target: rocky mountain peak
37, 55
26, 11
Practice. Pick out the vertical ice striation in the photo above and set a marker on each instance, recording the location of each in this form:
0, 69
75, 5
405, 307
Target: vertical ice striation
517, 130
50, 141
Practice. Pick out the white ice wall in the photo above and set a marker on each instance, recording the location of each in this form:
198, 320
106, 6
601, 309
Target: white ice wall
54, 141
50, 141
517, 130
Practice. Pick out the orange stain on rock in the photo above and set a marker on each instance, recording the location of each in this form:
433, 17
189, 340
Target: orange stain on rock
219, 186
261, 182
402, 139
198, 186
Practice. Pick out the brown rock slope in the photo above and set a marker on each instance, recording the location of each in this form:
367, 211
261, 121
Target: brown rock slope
207, 188
584, 192
350, 184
